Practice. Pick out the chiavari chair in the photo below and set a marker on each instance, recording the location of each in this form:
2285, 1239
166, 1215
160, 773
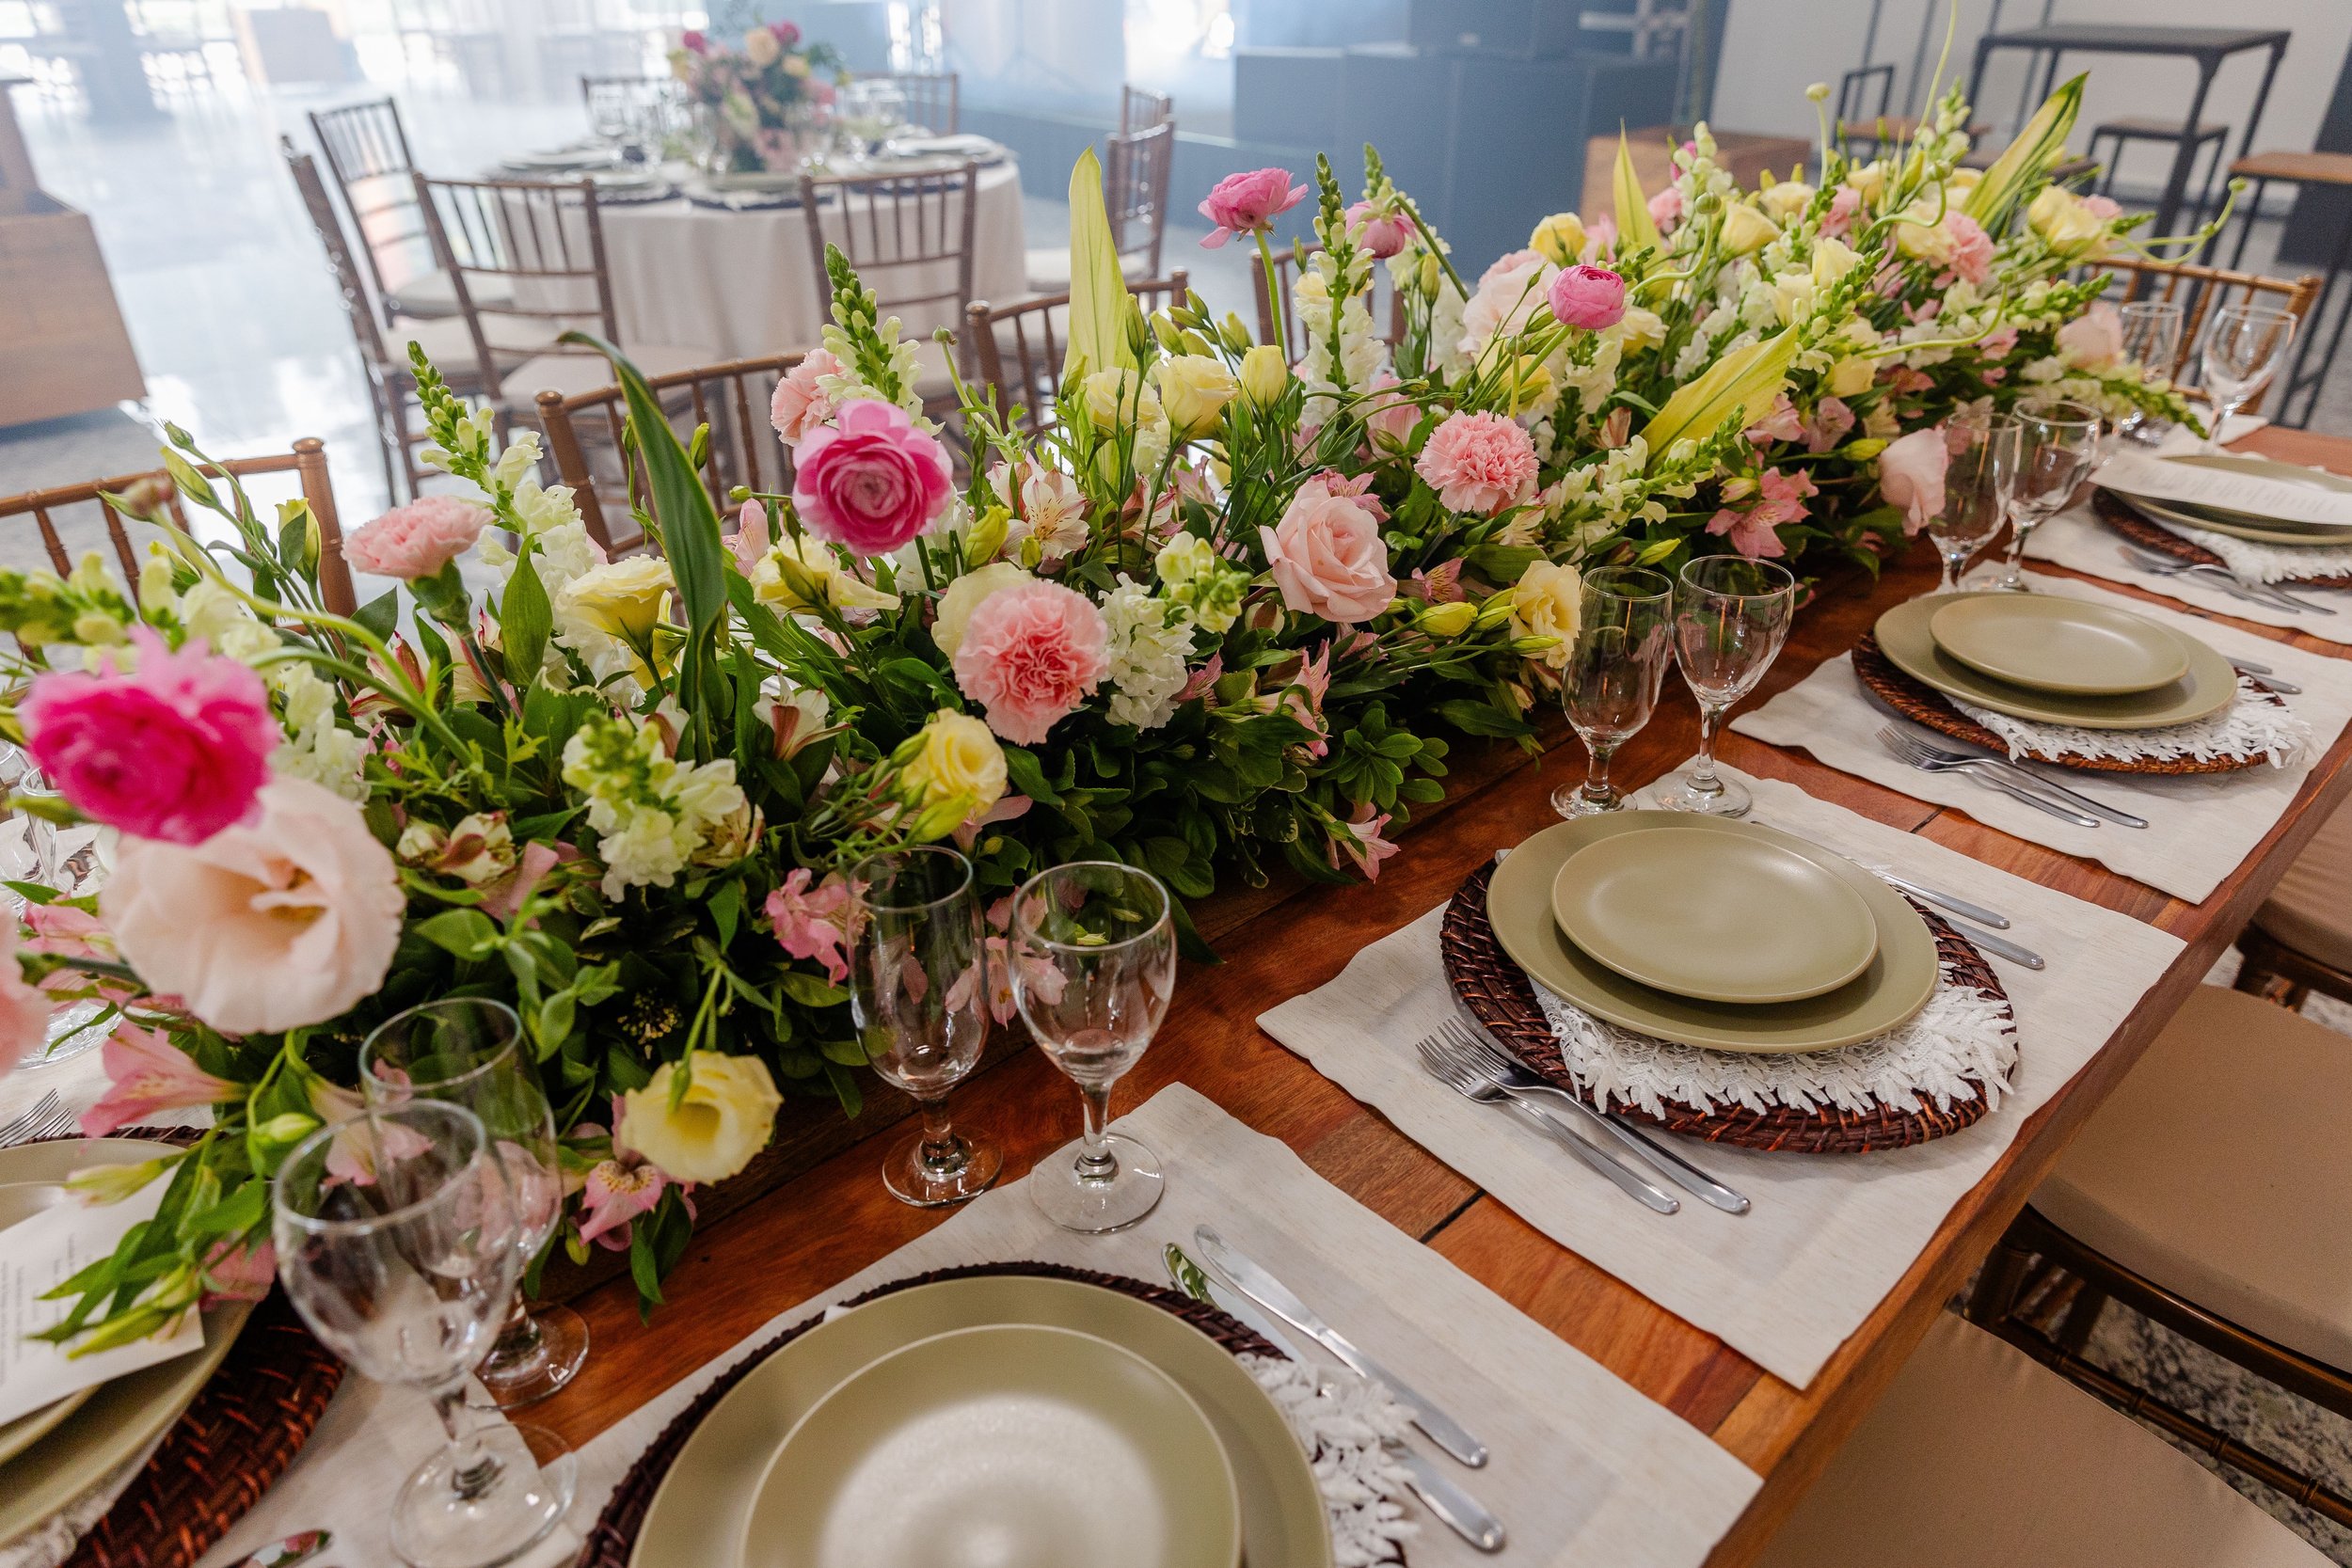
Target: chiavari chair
1135, 196
368, 156
1012, 354
932, 99
911, 238
1286, 264
2200, 290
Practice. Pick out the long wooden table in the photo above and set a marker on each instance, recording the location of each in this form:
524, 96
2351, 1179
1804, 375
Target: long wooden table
1278, 943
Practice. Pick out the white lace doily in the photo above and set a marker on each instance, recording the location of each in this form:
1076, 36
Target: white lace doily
1961, 1041
2256, 725
53, 1540
1345, 1422
2251, 560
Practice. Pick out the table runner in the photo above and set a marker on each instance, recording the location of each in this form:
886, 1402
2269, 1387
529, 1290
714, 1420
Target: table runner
1828, 1235
2076, 538
2200, 827
1585, 1469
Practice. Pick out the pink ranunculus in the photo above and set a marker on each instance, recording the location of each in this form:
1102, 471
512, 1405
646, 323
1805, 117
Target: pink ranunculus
24, 1011
1911, 475
1031, 654
174, 749
417, 540
800, 405
1328, 558
1831, 422
1588, 298
787, 33
1842, 208
1249, 203
1480, 464
1665, 208
1381, 234
1359, 840
2094, 339
1971, 259
694, 41
1389, 414
145, 1074
870, 481
813, 923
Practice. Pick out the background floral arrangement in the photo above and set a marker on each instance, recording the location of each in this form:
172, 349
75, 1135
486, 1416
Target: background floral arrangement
760, 101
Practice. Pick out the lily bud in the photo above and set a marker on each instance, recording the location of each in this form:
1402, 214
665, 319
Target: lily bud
1448, 620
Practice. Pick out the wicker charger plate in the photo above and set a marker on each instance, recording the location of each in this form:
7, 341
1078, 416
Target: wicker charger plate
2117, 514
1501, 996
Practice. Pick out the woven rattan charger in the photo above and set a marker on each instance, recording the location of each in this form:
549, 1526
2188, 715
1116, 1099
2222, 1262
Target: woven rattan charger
2114, 512
1501, 996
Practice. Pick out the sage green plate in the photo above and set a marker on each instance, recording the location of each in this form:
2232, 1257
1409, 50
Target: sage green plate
2052, 644
120, 1418
2252, 524
1906, 636
1896, 984
1009, 1443
696, 1517
1720, 917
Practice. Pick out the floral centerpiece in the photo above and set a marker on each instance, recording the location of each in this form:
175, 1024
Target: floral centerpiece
760, 104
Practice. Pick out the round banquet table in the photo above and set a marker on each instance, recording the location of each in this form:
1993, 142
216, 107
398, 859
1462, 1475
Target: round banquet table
741, 283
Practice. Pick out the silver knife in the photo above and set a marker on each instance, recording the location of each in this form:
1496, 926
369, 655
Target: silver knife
2072, 797
2002, 945
1943, 900
1272, 1294
294, 1550
1463, 1514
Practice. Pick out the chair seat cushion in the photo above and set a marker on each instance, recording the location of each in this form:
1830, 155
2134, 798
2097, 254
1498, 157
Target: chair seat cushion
446, 343
2310, 909
2220, 1170
1978, 1457
432, 293
574, 373
1048, 268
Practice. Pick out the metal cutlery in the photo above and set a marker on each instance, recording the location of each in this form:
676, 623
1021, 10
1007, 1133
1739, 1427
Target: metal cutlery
1475, 1045
1272, 1294
2225, 579
294, 1550
2263, 672
50, 1117
1471, 1084
1912, 754
2002, 945
2019, 774
1943, 900
1463, 1514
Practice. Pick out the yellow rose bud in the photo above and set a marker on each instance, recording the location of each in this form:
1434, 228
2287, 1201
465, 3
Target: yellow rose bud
1852, 378
1548, 602
1868, 181
1263, 375
987, 537
1792, 296
1449, 620
726, 1118
1747, 231
963, 597
2065, 220
1639, 329
1559, 239
957, 760
1193, 390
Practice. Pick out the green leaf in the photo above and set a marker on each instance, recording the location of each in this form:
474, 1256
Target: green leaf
810, 992
2026, 160
1635, 227
1098, 289
1477, 718
380, 614
726, 906
1741, 384
466, 933
525, 620
1022, 768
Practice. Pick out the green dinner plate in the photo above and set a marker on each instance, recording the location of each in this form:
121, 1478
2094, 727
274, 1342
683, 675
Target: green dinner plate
122, 1417
2053, 644
1720, 917
1905, 635
2251, 525
1010, 1443
696, 1517
1896, 984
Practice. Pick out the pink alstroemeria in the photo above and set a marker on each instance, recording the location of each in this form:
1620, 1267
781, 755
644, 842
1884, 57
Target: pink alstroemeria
234, 1272
750, 540
1780, 424
146, 1073
1359, 840
502, 899
813, 923
1203, 679
617, 1192
1006, 809
352, 1157
1302, 699
1830, 424
1780, 499
1045, 979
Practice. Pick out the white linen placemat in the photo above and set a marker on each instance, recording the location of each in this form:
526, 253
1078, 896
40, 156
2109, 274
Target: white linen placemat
1828, 1235
2076, 538
2199, 827
1584, 1469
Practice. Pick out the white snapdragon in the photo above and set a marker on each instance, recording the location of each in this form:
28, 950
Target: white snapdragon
651, 812
1150, 640
906, 367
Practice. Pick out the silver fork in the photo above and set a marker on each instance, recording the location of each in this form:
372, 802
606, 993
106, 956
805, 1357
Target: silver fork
1983, 770
2024, 776
1447, 1068
48, 1118
2225, 579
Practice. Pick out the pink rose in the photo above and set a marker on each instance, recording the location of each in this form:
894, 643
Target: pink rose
261, 927
1509, 293
869, 481
1249, 203
147, 1074
1971, 259
694, 41
1381, 234
1030, 655
24, 1011
1588, 298
1911, 476
787, 33
1328, 558
2096, 339
1665, 208
174, 749
799, 406
1479, 463
417, 540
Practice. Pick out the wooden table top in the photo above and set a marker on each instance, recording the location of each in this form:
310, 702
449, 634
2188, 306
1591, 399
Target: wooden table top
837, 1219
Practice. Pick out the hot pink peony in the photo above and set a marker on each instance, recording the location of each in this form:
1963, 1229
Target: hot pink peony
869, 481
1030, 655
175, 750
1911, 476
145, 1074
1479, 463
417, 540
1381, 234
800, 405
1249, 203
1328, 558
1588, 298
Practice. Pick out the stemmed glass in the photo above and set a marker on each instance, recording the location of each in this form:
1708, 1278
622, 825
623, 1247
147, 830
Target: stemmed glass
469, 1051
2244, 348
1617, 663
2152, 340
2056, 445
1979, 471
919, 992
1731, 616
1093, 951
396, 1242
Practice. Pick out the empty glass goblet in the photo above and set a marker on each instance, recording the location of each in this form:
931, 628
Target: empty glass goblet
919, 992
2152, 340
1616, 664
1731, 615
2056, 445
469, 1051
395, 1234
2244, 348
1093, 952
1980, 472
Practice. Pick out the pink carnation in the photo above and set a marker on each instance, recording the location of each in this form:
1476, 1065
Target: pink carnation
1381, 234
869, 481
1971, 248
1911, 475
1328, 557
175, 750
1249, 203
417, 540
1479, 463
1588, 298
1030, 655
1665, 208
799, 406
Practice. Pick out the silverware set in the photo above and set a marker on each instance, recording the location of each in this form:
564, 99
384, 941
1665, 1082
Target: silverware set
50, 1117
2011, 779
2269, 595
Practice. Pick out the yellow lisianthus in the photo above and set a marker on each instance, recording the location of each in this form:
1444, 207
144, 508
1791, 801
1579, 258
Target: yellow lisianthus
622, 598
1747, 231
957, 760
1263, 375
727, 1114
1559, 239
1549, 601
1193, 390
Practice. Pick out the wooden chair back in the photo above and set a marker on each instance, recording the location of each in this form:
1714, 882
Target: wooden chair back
909, 235
584, 440
1135, 193
645, 107
367, 153
526, 260
2200, 290
67, 508
1140, 109
1013, 354
1286, 263
932, 100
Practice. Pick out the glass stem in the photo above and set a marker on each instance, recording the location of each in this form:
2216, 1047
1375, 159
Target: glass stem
518, 1337
1702, 780
1597, 785
942, 1151
473, 1470
1095, 1161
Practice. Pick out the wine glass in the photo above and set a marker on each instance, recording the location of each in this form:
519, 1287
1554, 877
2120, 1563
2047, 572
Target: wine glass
395, 1233
1093, 952
2244, 347
919, 993
1731, 616
1979, 471
2152, 340
1617, 663
2056, 445
469, 1051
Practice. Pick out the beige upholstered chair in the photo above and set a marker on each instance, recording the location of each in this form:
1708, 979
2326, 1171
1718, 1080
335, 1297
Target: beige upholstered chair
1979, 1458
2301, 940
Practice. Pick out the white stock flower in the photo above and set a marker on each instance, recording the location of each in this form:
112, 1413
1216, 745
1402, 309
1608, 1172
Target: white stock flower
1146, 656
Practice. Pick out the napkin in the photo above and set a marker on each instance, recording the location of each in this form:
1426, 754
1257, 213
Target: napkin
42, 1252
